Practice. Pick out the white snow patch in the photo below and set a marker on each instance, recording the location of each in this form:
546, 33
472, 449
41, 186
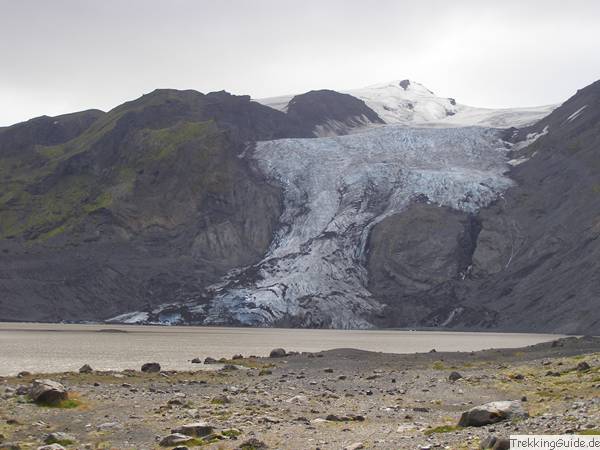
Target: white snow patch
576, 113
131, 317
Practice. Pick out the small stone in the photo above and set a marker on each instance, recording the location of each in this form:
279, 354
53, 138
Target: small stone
197, 429
23, 374
220, 400
48, 391
454, 376
174, 439
109, 426
86, 368
277, 353
328, 370
197, 361
355, 446
151, 367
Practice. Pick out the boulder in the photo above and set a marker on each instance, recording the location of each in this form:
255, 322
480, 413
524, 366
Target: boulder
86, 368
48, 391
151, 367
209, 360
197, 361
237, 357
583, 366
197, 429
454, 376
174, 439
492, 413
277, 353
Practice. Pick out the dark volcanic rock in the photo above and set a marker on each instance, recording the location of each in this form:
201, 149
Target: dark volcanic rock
151, 367
329, 112
277, 353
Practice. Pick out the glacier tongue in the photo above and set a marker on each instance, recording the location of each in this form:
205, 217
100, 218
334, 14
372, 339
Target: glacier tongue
335, 190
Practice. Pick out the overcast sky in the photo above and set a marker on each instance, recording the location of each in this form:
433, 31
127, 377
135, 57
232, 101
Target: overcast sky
65, 55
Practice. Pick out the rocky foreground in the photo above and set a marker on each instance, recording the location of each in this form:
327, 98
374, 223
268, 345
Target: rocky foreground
338, 399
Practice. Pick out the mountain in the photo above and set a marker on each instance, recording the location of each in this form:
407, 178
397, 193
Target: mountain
383, 206
410, 103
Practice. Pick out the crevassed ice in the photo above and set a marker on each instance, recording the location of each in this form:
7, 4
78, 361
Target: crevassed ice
335, 190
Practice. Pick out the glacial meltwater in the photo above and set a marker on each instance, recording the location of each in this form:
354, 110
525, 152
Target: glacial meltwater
61, 347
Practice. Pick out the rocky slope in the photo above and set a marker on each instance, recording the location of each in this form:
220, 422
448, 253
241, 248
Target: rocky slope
185, 207
528, 262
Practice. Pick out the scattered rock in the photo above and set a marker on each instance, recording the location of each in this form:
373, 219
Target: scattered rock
491, 413
209, 360
197, 361
454, 376
23, 374
48, 391
328, 370
277, 353
237, 357
86, 368
198, 429
151, 367
51, 447
174, 439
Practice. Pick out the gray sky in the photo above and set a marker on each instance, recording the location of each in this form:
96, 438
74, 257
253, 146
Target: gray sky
65, 55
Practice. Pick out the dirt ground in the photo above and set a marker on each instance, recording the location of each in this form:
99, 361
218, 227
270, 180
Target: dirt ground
336, 399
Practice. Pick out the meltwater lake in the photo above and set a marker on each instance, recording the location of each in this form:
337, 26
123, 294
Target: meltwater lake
62, 347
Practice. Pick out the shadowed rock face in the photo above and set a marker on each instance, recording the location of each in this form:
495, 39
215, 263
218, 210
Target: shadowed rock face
537, 261
414, 256
330, 113
535, 264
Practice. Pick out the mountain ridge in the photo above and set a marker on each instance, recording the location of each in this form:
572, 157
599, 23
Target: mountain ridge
163, 198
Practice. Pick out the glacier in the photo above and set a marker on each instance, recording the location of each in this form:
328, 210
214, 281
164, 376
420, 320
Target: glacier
335, 190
